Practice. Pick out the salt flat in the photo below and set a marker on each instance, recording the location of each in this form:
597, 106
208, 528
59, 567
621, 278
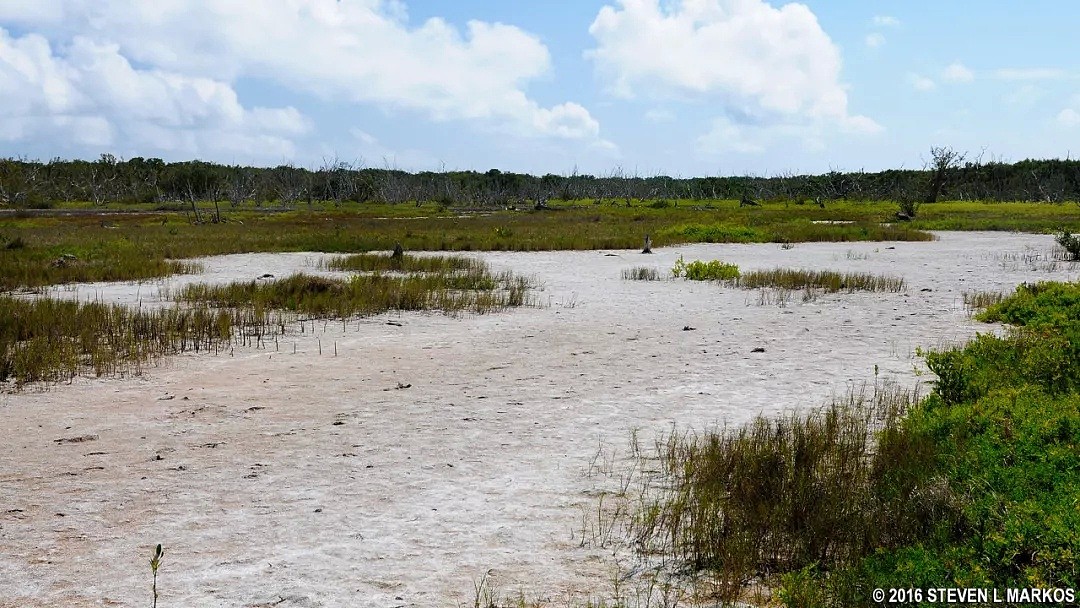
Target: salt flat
433, 450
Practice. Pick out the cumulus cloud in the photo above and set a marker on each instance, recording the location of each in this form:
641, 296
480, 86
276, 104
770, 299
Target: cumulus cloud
769, 69
725, 135
1068, 118
885, 21
361, 51
958, 73
921, 83
90, 94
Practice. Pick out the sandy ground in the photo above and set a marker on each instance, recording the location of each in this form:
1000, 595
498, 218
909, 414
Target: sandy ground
284, 479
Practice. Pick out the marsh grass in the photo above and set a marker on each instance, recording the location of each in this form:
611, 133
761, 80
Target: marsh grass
826, 280
375, 262
47, 340
980, 300
641, 273
140, 246
785, 493
50, 340
476, 290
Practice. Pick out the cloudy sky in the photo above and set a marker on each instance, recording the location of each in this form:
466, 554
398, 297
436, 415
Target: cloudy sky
690, 87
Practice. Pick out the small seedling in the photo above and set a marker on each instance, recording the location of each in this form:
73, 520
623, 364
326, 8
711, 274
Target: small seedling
155, 563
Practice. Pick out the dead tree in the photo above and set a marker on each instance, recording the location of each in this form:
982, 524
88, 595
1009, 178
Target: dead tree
943, 161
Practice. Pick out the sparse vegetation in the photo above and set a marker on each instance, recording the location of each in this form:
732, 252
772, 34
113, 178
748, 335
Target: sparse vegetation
979, 300
780, 495
47, 340
641, 273
155, 563
50, 340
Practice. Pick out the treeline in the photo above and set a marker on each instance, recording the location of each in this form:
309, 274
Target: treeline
34, 184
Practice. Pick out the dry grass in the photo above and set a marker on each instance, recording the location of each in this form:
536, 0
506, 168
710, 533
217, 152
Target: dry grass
641, 273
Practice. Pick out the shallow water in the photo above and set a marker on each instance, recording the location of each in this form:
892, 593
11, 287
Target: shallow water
316, 479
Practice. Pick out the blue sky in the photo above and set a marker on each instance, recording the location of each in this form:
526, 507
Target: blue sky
690, 87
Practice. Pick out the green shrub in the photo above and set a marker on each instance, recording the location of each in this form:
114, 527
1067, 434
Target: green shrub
1071, 243
697, 270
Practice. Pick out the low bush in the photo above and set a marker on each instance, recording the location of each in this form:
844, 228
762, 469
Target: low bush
1071, 244
697, 270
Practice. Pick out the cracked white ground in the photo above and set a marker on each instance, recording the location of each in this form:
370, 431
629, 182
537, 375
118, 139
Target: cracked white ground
314, 480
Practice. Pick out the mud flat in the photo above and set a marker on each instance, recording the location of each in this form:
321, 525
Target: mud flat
431, 450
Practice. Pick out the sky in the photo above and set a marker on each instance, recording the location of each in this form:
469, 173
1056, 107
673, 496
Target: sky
616, 87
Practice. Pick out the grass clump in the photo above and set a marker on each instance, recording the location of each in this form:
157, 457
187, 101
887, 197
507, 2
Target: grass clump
641, 273
374, 262
781, 495
980, 300
826, 280
477, 290
714, 270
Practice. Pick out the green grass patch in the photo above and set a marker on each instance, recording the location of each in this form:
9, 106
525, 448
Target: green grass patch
697, 270
828, 281
140, 246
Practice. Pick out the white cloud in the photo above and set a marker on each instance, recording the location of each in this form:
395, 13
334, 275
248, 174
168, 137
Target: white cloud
1030, 74
727, 136
1068, 118
91, 95
957, 72
1024, 96
361, 51
659, 115
885, 21
767, 66
875, 40
921, 83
